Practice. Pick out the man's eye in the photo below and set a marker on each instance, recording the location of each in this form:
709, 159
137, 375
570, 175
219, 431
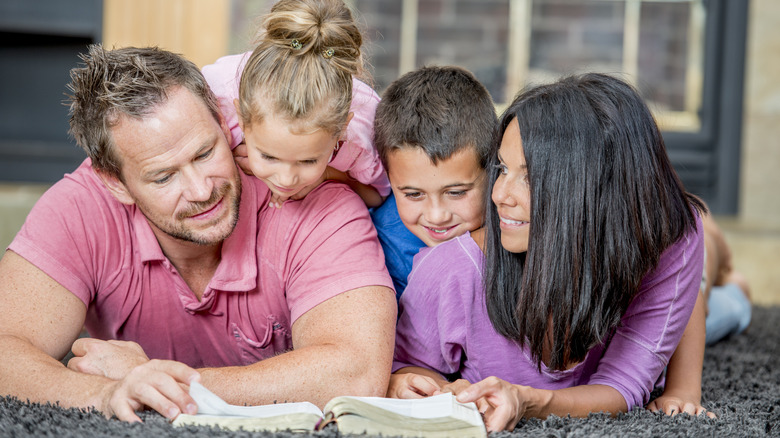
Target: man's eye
163, 180
413, 195
206, 154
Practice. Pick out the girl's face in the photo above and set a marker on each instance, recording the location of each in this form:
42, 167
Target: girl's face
511, 192
289, 163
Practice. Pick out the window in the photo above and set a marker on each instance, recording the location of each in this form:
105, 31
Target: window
684, 56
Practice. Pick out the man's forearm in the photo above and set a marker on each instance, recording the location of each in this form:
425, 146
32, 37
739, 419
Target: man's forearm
315, 374
29, 373
344, 346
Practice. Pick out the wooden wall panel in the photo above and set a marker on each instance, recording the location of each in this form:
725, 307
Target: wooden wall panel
198, 29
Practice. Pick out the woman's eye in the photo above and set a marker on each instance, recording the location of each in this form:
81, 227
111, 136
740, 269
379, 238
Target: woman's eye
268, 157
502, 169
456, 193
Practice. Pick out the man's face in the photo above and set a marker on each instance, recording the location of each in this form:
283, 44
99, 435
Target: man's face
178, 169
437, 202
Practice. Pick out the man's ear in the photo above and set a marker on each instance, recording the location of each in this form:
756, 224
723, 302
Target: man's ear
116, 187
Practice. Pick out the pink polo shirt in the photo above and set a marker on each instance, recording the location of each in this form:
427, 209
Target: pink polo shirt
276, 265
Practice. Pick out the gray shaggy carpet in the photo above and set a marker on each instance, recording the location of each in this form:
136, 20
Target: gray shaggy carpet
741, 383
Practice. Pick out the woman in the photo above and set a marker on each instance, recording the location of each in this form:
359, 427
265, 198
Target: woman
593, 258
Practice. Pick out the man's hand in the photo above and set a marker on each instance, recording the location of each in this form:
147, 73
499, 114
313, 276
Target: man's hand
162, 385
112, 359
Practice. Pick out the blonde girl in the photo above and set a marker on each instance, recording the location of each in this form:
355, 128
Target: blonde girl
297, 112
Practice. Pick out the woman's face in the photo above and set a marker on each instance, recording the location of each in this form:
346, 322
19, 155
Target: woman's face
511, 192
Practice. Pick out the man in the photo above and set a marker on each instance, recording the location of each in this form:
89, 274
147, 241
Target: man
157, 238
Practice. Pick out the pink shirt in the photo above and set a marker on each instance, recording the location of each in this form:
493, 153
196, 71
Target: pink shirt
276, 265
356, 156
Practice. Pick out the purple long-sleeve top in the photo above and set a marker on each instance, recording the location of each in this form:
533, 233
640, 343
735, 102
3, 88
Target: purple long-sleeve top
444, 325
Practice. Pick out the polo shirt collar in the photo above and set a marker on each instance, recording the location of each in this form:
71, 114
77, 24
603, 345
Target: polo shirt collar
237, 271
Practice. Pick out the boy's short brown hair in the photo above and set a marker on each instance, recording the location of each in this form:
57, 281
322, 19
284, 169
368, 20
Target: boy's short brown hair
440, 110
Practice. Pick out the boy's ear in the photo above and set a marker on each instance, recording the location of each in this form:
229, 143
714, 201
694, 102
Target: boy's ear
116, 187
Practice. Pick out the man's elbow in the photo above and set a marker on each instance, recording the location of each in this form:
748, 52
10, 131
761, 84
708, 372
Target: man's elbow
372, 382
372, 359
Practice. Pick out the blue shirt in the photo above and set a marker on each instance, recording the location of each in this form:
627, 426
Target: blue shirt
399, 244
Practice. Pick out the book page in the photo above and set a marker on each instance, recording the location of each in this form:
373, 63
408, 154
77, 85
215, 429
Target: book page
212, 405
292, 422
355, 424
442, 405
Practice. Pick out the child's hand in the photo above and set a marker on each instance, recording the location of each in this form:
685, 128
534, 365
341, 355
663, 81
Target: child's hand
241, 158
411, 385
276, 200
455, 387
673, 405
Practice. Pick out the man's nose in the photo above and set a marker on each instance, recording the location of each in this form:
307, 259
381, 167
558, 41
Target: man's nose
198, 187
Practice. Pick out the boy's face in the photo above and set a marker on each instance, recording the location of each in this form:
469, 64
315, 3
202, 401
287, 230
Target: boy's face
437, 202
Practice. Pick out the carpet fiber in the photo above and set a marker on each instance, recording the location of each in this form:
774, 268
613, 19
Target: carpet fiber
741, 383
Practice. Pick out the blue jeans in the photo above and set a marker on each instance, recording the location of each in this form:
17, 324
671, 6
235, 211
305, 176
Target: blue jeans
729, 312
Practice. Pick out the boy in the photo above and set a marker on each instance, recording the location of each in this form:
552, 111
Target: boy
433, 130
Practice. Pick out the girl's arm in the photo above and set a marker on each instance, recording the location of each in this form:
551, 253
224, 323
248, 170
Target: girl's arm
367, 193
683, 374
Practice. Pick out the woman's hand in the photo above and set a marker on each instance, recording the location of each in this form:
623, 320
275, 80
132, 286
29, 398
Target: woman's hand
411, 385
671, 404
458, 386
504, 404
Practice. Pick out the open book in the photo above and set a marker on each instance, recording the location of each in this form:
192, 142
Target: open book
437, 416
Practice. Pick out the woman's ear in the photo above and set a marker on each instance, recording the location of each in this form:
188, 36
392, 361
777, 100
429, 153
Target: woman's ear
116, 187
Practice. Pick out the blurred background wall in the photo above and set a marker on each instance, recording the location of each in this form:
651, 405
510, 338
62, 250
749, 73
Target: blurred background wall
716, 93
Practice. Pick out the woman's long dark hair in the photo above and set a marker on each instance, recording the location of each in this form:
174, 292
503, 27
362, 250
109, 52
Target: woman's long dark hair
605, 203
